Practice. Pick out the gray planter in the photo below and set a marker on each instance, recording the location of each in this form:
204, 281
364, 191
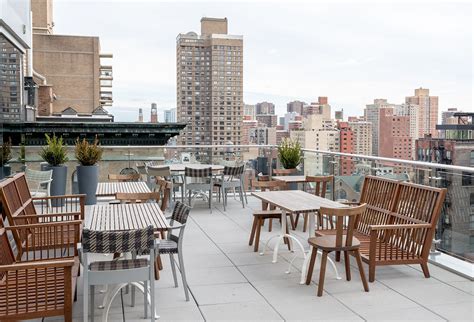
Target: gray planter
5, 171
87, 180
58, 185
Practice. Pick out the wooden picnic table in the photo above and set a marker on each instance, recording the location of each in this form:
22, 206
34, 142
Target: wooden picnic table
107, 189
120, 217
296, 201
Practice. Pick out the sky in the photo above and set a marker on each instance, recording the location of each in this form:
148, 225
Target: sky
350, 51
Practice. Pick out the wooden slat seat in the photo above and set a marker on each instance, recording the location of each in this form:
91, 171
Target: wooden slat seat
398, 224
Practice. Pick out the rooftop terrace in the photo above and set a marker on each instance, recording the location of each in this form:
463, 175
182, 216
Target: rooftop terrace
228, 281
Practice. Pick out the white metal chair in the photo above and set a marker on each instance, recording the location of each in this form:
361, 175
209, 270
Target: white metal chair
174, 243
197, 182
231, 178
165, 173
39, 182
120, 272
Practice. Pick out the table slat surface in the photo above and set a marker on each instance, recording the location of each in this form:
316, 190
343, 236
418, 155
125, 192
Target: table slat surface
296, 200
120, 217
180, 166
111, 188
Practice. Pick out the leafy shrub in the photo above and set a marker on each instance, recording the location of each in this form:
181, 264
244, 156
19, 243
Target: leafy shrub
289, 153
88, 153
55, 152
6, 153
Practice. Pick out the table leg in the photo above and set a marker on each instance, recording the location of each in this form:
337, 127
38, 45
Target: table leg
282, 235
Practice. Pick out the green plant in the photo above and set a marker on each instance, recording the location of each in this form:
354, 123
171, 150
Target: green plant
6, 153
289, 153
55, 152
88, 153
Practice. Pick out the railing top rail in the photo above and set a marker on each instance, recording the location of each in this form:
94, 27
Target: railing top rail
400, 161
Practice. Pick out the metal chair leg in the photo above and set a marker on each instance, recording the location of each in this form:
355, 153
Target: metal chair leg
183, 275
173, 268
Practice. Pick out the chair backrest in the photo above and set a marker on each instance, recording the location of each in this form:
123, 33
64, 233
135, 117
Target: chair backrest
6, 253
180, 212
38, 176
346, 222
268, 186
141, 169
125, 177
284, 172
160, 171
137, 196
16, 199
164, 189
235, 171
380, 195
106, 242
198, 173
321, 182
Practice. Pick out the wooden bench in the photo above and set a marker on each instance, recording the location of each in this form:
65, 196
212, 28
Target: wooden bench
398, 225
22, 209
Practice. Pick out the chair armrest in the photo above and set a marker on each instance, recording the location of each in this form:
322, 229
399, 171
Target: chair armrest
54, 217
79, 196
37, 264
177, 226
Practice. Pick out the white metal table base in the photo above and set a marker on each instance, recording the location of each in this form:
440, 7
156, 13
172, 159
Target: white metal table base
306, 255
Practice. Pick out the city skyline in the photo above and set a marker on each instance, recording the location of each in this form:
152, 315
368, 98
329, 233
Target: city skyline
385, 58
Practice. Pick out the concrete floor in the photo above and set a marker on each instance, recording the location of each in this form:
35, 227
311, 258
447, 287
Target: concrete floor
228, 281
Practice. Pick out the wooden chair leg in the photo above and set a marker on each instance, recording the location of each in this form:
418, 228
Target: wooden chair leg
287, 240
347, 264
270, 224
322, 273
338, 256
292, 222
426, 271
309, 274
252, 233
257, 235
305, 222
372, 271
361, 270
296, 220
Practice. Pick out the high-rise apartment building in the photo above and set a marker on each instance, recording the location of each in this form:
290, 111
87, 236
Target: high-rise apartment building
394, 135
428, 114
362, 132
264, 108
446, 115
209, 72
249, 110
372, 115
413, 112
17, 89
320, 107
170, 115
269, 120
346, 145
153, 113
295, 106
263, 135
247, 125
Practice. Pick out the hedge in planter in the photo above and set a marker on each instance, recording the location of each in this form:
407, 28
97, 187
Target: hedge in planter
289, 153
5, 156
88, 155
55, 154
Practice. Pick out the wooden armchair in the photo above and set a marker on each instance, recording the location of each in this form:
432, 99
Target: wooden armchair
41, 281
21, 209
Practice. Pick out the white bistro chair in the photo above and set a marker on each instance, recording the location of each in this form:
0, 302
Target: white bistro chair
119, 272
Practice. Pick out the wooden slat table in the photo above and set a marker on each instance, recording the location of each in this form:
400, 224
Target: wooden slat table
120, 217
296, 201
290, 179
107, 189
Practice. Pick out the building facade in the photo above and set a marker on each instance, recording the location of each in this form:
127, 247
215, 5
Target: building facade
153, 113
17, 89
394, 135
265, 108
249, 111
83, 85
346, 144
269, 120
170, 115
295, 106
428, 114
209, 76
